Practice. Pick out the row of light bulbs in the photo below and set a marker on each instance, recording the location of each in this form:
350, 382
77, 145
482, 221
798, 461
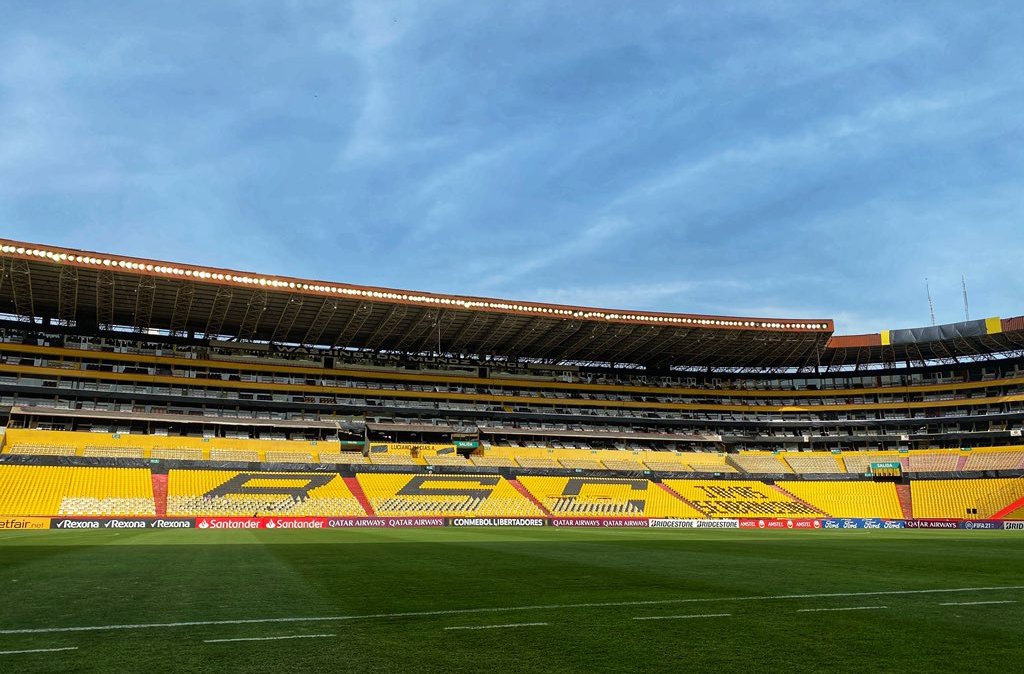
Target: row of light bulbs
401, 297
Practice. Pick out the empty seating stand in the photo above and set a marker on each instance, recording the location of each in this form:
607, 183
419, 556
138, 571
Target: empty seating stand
933, 463
496, 461
859, 463
179, 453
809, 464
289, 457
706, 467
404, 495
230, 493
43, 450
605, 496
114, 452
77, 491
963, 498
248, 456
1013, 460
667, 466
849, 499
736, 498
582, 464
385, 459
765, 464
539, 462
611, 464
346, 458
445, 460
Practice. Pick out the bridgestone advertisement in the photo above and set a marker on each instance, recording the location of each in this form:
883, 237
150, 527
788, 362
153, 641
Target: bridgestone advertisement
694, 524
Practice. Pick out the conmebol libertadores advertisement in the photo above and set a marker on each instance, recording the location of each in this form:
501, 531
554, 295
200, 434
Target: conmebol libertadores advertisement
497, 522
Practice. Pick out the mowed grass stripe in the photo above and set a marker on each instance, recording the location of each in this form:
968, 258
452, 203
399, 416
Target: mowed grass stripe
69, 579
500, 609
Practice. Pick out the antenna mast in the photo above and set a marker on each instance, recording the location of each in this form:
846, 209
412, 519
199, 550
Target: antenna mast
931, 306
967, 311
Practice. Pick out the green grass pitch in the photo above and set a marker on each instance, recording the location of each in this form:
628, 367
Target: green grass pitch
716, 601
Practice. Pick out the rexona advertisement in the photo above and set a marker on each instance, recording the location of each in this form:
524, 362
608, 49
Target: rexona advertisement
122, 523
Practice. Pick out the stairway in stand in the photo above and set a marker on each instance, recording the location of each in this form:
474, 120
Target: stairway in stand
160, 493
357, 491
518, 486
906, 503
679, 496
798, 500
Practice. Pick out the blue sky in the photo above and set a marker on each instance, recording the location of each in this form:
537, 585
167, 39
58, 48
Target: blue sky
765, 158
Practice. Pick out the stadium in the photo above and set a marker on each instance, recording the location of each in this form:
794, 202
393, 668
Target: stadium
492, 480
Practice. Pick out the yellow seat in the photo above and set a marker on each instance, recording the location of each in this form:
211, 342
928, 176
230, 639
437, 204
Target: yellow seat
81, 491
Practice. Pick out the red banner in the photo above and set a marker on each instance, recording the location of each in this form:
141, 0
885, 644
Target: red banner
383, 522
316, 522
803, 524
932, 524
607, 522
261, 523
780, 524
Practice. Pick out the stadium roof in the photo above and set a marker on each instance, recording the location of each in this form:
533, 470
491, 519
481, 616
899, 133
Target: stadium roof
103, 291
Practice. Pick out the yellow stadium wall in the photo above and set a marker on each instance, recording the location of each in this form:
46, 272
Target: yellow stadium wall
79, 439
603, 454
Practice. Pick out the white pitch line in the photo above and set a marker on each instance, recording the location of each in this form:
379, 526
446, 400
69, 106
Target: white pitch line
291, 636
496, 609
841, 608
494, 627
976, 603
683, 617
40, 650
